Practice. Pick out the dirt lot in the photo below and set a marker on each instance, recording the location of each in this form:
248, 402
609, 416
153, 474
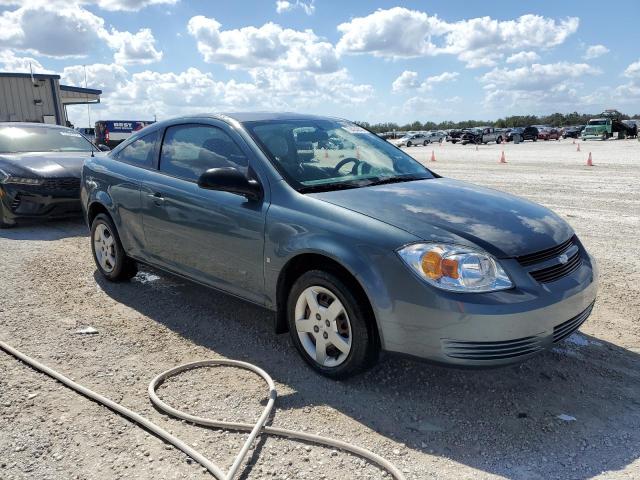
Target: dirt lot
432, 422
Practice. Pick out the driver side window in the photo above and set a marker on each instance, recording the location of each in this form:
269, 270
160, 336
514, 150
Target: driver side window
190, 150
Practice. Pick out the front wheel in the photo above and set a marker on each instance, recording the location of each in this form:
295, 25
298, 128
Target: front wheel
425, 143
111, 259
409, 144
329, 326
4, 224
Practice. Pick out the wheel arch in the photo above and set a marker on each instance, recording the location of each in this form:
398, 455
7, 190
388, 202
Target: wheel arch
304, 262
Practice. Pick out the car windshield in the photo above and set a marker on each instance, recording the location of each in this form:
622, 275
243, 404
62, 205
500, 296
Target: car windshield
18, 139
597, 122
320, 155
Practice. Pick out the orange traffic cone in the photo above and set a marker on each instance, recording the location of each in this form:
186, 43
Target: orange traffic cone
502, 158
433, 156
589, 161
578, 148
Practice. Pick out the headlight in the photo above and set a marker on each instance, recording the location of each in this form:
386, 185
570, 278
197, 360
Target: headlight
455, 268
4, 178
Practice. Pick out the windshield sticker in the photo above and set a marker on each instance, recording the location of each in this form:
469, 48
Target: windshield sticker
352, 128
70, 134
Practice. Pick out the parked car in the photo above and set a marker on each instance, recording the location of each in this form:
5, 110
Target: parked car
548, 133
572, 132
354, 254
454, 136
436, 136
412, 140
526, 133
40, 166
470, 135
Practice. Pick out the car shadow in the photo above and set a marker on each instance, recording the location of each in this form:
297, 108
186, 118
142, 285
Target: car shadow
572, 412
46, 230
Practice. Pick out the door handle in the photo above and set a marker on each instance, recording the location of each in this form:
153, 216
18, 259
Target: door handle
157, 198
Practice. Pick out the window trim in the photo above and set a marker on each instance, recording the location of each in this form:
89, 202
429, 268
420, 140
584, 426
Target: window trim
196, 124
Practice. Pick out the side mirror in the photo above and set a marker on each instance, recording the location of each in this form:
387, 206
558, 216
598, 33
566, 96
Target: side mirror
103, 148
229, 179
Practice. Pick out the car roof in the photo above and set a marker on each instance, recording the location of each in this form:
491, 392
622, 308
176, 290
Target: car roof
32, 124
266, 116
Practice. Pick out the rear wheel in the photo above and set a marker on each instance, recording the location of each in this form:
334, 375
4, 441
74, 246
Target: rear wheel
329, 326
110, 257
425, 143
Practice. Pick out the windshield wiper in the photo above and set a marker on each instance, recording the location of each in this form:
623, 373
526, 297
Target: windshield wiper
327, 187
387, 180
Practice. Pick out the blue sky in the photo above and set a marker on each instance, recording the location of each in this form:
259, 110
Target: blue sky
364, 60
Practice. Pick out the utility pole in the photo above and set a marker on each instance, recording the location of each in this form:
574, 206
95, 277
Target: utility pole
85, 86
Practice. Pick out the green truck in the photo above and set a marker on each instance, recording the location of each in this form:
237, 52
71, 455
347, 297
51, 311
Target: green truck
603, 128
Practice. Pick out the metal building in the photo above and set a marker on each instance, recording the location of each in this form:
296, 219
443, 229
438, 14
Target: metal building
39, 98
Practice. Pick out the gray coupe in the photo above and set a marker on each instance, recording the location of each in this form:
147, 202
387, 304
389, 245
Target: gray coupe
356, 249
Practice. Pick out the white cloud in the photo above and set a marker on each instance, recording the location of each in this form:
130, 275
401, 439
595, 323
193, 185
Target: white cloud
134, 48
394, 33
9, 62
63, 30
633, 70
595, 51
112, 5
523, 57
408, 80
443, 77
402, 33
537, 86
165, 94
108, 78
269, 45
284, 6
537, 76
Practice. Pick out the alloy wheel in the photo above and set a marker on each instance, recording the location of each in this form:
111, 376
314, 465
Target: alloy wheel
323, 326
104, 247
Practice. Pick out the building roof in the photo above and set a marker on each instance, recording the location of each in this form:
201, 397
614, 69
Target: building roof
39, 76
88, 91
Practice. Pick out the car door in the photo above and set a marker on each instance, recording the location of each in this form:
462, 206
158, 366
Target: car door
210, 236
120, 176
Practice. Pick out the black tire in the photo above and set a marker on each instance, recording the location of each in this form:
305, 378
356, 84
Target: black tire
364, 348
499, 140
425, 143
409, 144
535, 139
123, 268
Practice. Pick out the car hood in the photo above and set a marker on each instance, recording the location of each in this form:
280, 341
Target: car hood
446, 210
44, 164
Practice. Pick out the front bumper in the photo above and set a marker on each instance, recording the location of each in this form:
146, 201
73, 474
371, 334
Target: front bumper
22, 202
488, 329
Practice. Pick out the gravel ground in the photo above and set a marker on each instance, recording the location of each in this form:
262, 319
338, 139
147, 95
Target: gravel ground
432, 422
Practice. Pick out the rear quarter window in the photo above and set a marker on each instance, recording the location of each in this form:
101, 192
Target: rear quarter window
140, 152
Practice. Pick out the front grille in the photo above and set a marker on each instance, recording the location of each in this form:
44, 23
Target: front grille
555, 272
565, 329
63, 183
491, 350
542, 255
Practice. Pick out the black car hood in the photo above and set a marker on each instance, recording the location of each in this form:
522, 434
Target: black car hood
448, 210
43, 164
